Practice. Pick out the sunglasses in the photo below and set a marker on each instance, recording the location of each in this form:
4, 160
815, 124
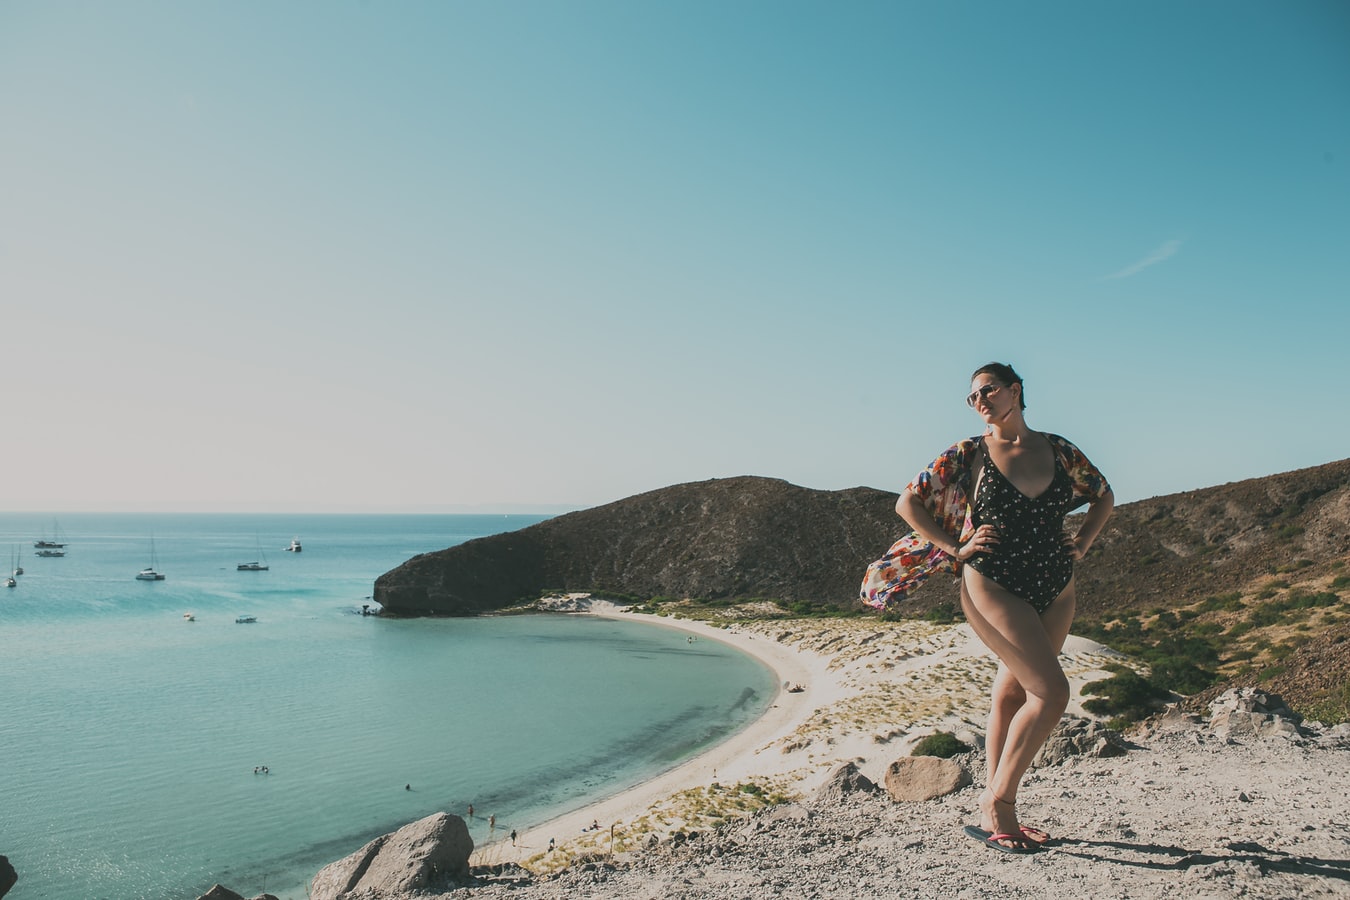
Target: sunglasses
981, 393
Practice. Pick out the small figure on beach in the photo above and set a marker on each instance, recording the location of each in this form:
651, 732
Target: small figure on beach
990, 509
551, 845
492, 822
513, 837
470, 810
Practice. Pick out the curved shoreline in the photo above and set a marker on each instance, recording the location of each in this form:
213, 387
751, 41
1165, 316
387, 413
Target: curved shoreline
869, 691
732, 758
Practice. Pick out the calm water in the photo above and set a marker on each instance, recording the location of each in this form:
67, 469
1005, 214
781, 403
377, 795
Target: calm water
129, 735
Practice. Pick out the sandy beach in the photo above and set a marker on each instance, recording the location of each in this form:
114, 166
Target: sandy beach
869, 691
1198, 807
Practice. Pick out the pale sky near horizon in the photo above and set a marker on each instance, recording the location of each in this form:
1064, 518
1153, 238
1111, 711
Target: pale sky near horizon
420, 256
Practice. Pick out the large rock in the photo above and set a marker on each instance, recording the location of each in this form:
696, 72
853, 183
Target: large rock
428, 852
1253, 713
1076, 736
912, 778
8, 876
844, 781
220, 892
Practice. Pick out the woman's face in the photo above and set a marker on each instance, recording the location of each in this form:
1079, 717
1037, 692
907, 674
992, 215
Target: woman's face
991, 399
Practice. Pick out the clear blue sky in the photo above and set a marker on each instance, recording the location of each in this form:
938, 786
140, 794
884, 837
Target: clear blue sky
424, 256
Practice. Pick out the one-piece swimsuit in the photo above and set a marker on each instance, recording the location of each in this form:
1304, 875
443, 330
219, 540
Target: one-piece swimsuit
1030, 558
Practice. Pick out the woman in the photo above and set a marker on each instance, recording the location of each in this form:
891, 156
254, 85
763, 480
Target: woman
991, 509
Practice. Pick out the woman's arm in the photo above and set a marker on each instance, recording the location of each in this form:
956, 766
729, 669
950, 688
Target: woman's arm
912, 510
1095, 520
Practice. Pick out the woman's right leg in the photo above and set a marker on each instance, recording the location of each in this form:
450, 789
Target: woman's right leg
1028, 649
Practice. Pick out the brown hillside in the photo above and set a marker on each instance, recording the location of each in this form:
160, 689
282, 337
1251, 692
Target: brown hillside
731, 537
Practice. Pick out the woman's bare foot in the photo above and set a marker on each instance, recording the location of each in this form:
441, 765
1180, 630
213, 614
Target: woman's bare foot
999, 816
1032, 833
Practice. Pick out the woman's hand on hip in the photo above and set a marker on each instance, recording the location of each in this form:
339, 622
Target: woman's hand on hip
981, 541
1075, 546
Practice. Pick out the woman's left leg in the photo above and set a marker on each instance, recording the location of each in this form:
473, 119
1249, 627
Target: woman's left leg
1008, 694
995, 620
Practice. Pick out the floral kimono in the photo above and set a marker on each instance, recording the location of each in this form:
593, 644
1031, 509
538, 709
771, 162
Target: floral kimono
943, 488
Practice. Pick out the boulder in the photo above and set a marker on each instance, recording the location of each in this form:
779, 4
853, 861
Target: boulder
220, 892
1252, 713
427, 852
8, 876
925, 777
844, 781
1076, 736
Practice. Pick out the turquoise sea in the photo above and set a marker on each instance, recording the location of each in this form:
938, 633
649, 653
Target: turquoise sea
130, 735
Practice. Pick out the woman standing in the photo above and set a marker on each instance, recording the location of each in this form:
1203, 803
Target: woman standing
991, 509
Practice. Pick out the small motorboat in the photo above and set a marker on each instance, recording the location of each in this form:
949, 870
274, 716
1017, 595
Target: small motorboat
294, 546
189, 617
245, 620
149, 574
251, 567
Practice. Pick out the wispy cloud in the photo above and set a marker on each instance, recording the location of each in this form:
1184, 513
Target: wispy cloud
1166, 251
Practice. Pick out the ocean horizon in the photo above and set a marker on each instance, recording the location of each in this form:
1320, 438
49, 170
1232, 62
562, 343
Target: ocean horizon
155, 745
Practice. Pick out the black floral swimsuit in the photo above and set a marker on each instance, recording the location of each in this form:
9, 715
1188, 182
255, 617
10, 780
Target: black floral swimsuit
1030, 558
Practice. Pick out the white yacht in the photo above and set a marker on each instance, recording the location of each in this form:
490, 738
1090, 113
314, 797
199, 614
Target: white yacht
149, 573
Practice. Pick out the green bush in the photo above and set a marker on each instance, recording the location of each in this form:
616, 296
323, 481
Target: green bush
1320, 600
943, 745
1126, 696
1331, 709
1179, 674
944, 614
1215, 602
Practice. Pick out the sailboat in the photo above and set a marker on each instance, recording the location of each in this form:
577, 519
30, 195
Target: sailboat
149, 573
14, 570
14, 563
255, 566
57, 543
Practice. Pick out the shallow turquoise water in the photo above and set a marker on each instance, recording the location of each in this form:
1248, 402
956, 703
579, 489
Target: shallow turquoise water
130, 735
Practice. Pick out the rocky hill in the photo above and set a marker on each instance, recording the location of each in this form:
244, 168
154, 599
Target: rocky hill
726, 538
748, 537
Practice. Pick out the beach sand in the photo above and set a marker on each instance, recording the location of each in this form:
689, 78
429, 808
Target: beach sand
870, 690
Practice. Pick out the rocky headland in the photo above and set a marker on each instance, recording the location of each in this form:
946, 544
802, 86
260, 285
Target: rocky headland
730, 537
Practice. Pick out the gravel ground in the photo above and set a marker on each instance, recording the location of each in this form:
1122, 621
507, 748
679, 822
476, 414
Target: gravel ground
1188, 812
